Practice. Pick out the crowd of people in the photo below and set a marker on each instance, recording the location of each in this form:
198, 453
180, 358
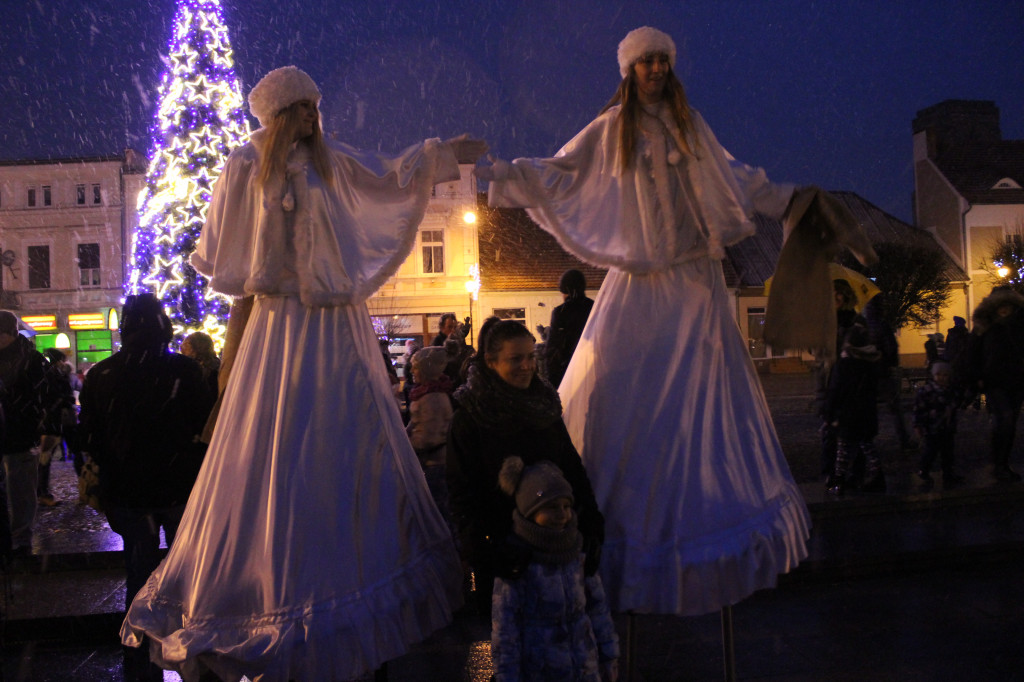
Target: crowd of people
963, 365
321, 517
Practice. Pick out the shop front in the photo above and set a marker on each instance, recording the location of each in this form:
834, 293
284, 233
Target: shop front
85, 337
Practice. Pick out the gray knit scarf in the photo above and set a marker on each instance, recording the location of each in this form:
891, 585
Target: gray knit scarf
550, 545
493, 403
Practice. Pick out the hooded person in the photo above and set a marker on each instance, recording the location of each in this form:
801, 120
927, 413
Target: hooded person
302, 230
646, 191
142, 410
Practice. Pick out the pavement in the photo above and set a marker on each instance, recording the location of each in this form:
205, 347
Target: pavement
918, 583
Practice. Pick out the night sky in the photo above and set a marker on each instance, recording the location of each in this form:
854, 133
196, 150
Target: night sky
819, 92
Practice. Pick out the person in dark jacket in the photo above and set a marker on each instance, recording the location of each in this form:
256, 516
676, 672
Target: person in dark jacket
956, 339
446, 326
142, 411
995, 362
846, 314
22, 389
199, 346
506, 409
934, 349
567, 323
889, 376
59, 411
850, 408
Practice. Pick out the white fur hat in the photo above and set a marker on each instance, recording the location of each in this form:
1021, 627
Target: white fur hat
642, 41
278, 89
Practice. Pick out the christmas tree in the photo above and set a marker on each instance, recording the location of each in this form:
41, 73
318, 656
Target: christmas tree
200, 119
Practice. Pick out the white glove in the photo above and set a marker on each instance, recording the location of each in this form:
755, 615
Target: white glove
496, 172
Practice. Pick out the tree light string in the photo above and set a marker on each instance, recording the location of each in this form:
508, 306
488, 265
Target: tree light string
200, 120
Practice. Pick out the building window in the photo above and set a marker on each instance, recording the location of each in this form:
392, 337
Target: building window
39, 267
31, 197
47, 196
80, 195
432, 242
89, 265
97, 198
517, 314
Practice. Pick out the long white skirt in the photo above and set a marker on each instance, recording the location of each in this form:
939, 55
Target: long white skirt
664, 404
311, 548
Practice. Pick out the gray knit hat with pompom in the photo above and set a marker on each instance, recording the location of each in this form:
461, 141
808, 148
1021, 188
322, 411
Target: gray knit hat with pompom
532, 486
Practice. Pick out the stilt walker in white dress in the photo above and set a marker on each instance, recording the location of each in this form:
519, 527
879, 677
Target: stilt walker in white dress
311, 548
661, 397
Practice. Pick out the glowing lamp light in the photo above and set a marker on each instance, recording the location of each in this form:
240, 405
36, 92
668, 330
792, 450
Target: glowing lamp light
1003, 271
469, 217
473, 283
112, 321
62, 341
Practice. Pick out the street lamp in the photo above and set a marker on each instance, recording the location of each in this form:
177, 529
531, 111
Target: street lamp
1003, 271
473, 289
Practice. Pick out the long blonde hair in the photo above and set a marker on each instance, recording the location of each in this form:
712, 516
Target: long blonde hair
281, 134
629, 114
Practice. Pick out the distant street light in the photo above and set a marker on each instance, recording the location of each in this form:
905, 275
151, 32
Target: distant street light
473, 289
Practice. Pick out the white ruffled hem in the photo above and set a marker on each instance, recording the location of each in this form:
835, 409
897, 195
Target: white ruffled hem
694, 577
329, 638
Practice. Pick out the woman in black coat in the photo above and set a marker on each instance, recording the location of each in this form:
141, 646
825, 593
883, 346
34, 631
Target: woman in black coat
505, 409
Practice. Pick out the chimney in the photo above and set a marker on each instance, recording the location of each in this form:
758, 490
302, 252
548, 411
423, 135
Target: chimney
957, 124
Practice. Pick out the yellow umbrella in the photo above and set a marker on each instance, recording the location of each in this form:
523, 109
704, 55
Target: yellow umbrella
863, 288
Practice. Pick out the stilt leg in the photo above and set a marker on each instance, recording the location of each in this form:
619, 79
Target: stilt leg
728, 648
631, 648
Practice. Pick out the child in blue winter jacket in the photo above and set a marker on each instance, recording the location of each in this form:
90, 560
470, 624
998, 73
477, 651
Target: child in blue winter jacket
551, 623
935, 422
